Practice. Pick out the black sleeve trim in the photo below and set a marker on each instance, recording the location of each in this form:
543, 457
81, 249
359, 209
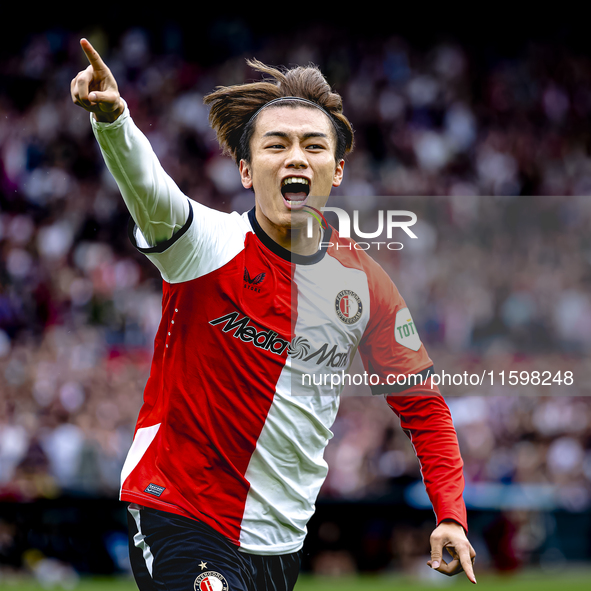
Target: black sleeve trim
161, 246
398, 388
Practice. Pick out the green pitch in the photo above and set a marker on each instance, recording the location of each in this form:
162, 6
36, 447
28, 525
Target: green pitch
532, 581
535, 581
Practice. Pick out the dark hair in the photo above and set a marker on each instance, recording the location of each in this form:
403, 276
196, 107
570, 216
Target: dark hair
232, 107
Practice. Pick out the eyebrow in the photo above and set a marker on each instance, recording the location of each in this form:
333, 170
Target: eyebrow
304, 136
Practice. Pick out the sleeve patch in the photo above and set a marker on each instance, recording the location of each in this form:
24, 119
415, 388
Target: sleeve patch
405, 330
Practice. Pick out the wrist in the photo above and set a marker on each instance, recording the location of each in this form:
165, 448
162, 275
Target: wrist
110, 116
449, 521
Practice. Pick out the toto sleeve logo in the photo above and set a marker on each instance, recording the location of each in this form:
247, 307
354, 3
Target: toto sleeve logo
405, 330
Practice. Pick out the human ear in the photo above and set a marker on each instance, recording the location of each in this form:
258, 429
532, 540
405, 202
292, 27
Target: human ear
245, 174
337, 178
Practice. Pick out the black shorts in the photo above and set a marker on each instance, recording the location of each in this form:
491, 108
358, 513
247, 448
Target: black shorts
170, 552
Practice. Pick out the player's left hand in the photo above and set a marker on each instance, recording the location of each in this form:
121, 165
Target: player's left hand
451, 536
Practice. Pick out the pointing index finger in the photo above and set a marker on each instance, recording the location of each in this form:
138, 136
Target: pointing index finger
466, 562
92, 54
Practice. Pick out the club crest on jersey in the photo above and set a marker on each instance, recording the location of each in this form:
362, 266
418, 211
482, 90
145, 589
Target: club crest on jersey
252, 282
348, 306
211, 581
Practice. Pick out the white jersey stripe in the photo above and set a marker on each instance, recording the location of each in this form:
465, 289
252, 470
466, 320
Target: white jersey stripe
287, 468
141, 442
139, 540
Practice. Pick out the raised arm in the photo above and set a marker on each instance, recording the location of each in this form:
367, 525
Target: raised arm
155, 202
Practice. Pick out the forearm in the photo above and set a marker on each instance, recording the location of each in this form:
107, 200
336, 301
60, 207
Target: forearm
155, 202
427, 421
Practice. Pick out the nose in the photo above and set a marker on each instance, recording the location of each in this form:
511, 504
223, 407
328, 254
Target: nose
296, 158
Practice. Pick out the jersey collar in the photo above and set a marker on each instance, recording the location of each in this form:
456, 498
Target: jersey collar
298, 259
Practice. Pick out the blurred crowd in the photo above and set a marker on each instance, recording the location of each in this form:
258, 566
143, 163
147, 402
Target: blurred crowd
491, 154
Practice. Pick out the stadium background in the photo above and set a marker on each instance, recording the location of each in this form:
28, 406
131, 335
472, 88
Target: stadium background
484, 133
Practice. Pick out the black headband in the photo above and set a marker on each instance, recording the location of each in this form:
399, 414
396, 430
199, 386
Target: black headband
293, 98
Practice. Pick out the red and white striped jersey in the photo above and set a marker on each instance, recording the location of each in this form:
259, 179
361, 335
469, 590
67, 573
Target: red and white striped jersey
235, 418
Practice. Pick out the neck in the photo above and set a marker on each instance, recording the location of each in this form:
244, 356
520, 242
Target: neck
293, 239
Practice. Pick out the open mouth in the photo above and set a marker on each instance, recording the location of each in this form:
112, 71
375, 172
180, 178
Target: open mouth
295, 191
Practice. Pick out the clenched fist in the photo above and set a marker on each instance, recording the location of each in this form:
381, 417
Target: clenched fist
95, 89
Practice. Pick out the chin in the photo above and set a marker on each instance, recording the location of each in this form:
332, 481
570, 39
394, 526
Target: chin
297, 219
287, 218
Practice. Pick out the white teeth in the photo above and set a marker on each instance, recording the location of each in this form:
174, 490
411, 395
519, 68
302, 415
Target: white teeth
295, 179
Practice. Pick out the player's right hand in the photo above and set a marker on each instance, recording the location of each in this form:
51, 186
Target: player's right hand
95, 89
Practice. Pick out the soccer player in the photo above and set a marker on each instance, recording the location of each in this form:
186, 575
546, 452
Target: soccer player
227, 457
